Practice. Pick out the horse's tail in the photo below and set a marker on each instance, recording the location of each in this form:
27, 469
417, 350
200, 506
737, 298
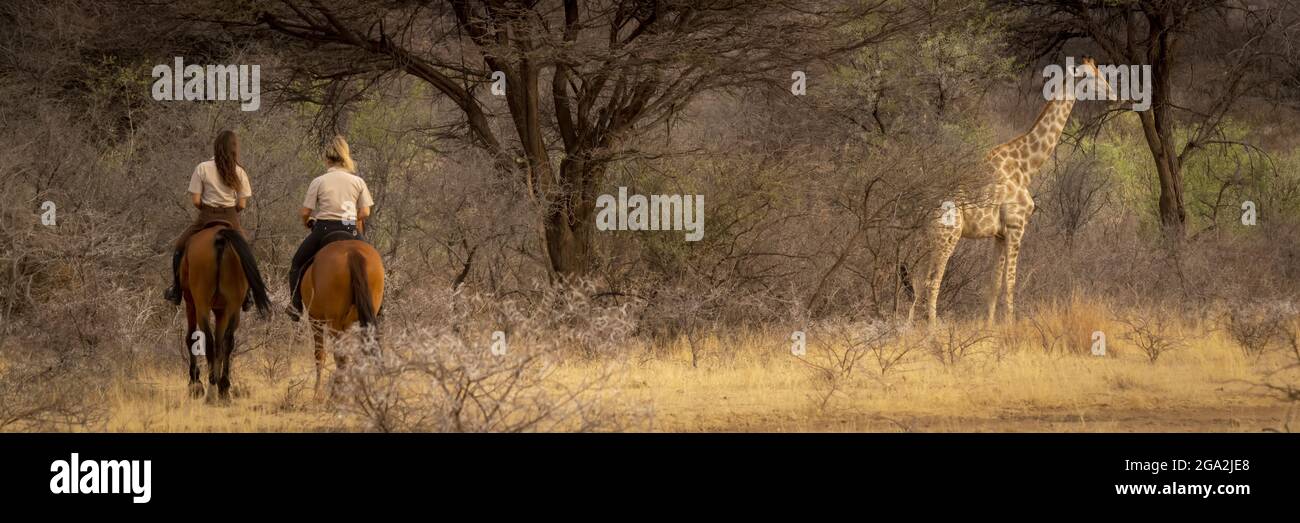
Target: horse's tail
361, 290
218, 248
249, 264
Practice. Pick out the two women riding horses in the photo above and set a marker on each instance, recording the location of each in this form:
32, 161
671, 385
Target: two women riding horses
336, 201
214, 272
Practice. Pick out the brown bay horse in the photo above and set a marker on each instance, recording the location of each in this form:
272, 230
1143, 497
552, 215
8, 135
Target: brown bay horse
343, 285
217, 271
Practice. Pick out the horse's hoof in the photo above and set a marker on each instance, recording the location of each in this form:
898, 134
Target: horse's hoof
196, 390
172, 296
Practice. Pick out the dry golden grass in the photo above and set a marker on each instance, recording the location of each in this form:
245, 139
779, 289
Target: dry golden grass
1035, 375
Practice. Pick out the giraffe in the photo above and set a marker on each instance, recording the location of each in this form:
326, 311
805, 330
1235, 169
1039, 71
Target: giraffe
1000, 208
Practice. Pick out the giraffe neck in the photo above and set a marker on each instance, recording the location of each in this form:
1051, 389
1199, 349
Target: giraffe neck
1042, 138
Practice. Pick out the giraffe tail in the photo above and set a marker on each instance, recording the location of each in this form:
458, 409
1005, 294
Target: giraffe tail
904, 277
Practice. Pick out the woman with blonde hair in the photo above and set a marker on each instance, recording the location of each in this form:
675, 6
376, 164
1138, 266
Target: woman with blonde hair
219, 189
336, 201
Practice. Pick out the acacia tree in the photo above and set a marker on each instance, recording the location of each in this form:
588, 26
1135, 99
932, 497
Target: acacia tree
1219, 51
583, 79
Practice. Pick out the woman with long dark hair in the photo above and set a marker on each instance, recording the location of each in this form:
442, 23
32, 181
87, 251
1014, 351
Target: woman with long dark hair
219, 189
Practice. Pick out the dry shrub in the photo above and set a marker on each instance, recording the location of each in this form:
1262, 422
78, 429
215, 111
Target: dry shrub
68, 325
888, 349
270, 348
836, 349
1153, 333
51, 388
1066, 326
1273, 327
1260, 328
952, 345
832, 355
672, 312
459, 373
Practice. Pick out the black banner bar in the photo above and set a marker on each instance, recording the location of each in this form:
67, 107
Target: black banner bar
404, 470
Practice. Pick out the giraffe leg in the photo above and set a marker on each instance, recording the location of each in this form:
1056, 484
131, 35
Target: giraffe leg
998, 275
1013, 236
922, 272
947, 244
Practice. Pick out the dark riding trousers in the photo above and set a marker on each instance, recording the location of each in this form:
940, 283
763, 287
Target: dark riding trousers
313, 243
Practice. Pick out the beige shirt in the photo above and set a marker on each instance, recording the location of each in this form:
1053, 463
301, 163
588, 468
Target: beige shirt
337, 195
206, 182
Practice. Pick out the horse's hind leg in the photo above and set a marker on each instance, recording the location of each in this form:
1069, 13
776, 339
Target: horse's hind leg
337, 328
318, 344
340, 363
227, 323
369, 335
215, 361
209, 343
196, 384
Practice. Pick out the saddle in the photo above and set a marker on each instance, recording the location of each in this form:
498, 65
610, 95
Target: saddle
218, 222
331, 237
334, 237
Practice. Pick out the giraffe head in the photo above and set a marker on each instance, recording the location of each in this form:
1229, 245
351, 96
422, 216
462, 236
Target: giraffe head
1087, 70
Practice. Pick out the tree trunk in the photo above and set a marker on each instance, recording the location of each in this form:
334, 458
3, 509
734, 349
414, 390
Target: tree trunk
1156, 127
568, 245
1173, 216
569, 219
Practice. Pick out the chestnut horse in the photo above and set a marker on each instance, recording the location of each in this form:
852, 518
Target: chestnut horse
343, 285
217, 270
